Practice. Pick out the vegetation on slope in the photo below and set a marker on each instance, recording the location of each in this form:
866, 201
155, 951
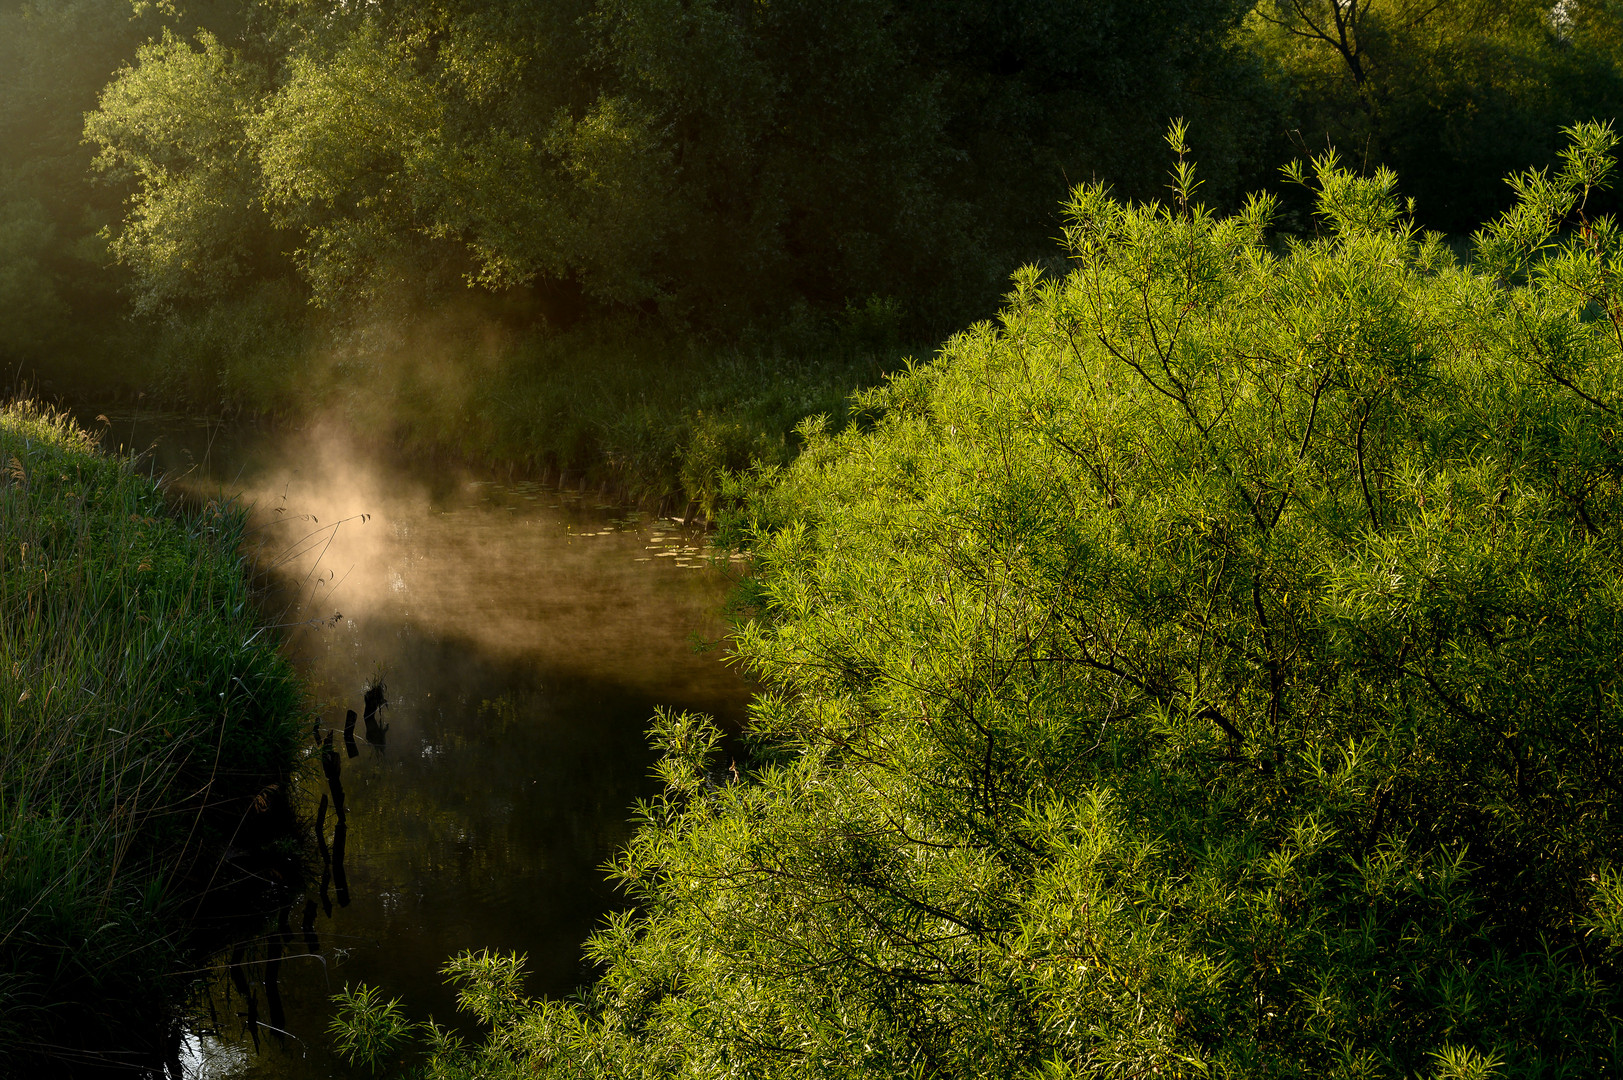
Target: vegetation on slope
145, 722
655, 416
1208, 669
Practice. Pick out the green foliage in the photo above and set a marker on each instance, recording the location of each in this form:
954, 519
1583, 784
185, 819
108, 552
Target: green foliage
713, 164
183, 140
657, 418
1210, 668
712, 161
367, 1028
145, 721
1452, 95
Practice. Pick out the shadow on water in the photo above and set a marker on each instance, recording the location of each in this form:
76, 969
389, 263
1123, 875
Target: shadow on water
507, 646
489, 833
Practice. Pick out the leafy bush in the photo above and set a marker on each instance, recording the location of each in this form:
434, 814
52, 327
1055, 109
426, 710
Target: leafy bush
365, 1027
1209, 669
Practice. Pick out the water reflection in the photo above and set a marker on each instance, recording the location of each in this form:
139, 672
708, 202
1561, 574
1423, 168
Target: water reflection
507, 647
375, 729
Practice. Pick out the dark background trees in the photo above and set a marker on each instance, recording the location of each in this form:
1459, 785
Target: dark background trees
1453, 94
715, 165
710, 161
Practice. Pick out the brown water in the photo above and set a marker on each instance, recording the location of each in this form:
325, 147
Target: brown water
524, 638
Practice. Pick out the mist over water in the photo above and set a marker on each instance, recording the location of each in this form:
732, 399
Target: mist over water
524, 638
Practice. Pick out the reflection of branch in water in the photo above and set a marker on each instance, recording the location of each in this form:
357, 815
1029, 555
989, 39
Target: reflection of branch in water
171, 1059
234, 966
375, 701
252, 1017
340, 833
241, 986
312, 944
321, 828
240, 981
326, 856
331, 765
332, 874
273, 971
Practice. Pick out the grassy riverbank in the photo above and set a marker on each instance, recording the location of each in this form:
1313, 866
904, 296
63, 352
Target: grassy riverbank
654, 419
145, 719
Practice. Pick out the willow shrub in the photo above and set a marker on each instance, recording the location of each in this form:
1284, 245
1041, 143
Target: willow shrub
1209, 669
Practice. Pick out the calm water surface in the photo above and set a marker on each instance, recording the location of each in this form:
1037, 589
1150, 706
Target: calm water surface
524, 638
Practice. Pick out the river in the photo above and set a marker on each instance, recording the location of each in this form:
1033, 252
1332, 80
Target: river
523, 637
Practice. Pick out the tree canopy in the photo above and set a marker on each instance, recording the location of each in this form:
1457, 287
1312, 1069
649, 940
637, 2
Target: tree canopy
709, 159
715, 163
1452, 94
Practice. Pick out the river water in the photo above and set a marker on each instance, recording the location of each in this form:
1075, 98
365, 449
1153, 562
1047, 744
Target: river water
524, 638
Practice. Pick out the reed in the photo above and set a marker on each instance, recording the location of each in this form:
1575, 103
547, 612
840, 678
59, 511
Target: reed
147, 724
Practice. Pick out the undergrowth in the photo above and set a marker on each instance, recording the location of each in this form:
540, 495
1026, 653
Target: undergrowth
657, 421
651, 416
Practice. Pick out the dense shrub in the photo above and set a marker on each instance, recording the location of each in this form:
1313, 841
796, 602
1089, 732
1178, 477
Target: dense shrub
1210, 668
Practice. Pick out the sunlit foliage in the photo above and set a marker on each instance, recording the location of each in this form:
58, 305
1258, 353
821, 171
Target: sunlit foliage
184, 140
1208, 669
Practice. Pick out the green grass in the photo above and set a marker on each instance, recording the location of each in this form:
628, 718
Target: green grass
144, 717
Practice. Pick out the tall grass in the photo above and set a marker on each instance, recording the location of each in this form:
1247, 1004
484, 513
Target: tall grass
145, 724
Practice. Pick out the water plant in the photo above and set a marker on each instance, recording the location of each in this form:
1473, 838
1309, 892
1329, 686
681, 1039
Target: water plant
147, 725
366, 1027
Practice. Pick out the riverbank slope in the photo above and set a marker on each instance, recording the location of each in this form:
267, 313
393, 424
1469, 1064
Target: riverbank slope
147, 726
